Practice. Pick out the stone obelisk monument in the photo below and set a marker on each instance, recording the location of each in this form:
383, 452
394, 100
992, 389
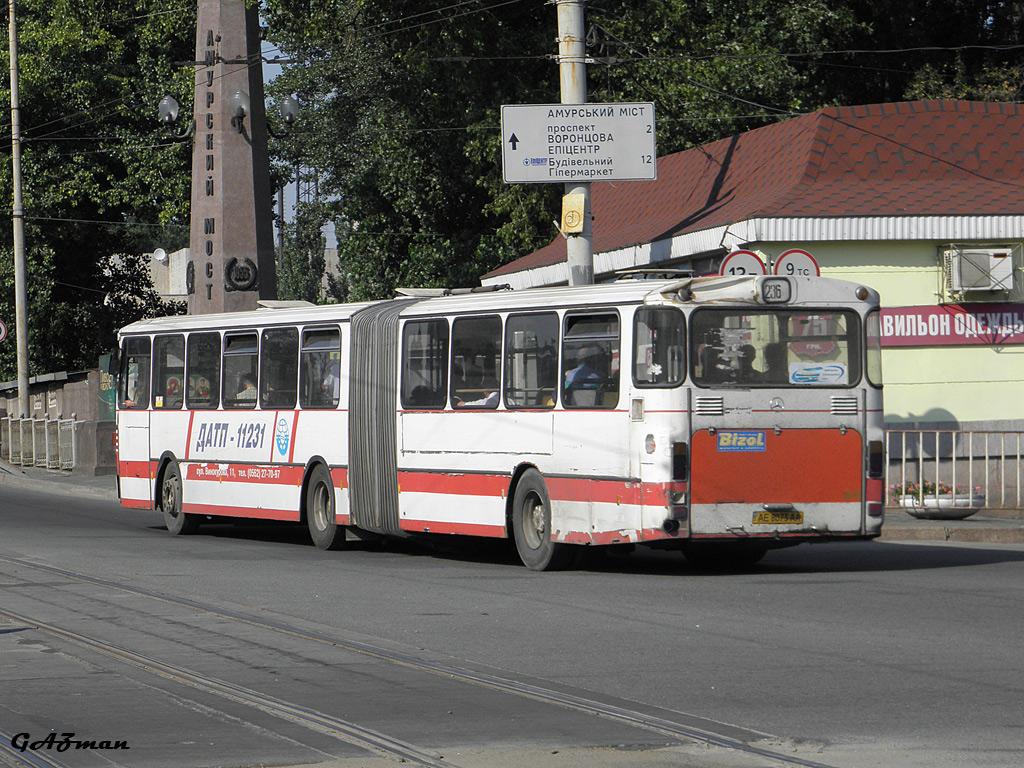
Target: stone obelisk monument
231, 244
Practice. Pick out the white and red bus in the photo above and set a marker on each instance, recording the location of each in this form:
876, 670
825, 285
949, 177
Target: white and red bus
723, 416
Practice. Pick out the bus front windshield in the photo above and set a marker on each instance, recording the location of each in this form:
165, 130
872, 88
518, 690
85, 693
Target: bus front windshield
775, 348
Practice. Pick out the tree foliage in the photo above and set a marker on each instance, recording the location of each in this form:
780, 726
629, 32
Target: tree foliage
101, 185
402, 100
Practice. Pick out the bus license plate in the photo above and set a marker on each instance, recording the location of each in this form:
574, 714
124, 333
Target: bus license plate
778, 518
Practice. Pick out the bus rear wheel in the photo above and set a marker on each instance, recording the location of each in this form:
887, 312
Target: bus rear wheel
531, 526
320, 513
177, 522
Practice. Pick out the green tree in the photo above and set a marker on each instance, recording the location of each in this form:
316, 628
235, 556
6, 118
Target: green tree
102, 184
301, 273
402, 100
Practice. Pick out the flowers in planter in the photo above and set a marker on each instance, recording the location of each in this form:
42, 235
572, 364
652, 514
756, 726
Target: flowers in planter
928, 489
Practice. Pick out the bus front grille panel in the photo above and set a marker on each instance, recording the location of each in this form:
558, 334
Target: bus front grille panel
709, 406
844, 406
373, 397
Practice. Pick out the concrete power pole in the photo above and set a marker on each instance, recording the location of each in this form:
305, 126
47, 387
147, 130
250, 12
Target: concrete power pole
18, 223
572, 69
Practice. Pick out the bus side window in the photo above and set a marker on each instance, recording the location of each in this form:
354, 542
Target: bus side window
531, 360
240, 375
202, 371
425, 364
133, 383
476, 362
279, 362
320, 368
590, 361
659, 344
168, 372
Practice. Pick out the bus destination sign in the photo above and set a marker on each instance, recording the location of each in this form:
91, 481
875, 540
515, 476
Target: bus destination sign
574, 143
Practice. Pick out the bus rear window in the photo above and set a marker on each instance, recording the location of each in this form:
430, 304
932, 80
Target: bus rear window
770, 348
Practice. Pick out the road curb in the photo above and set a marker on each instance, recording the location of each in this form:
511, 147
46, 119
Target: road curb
958, 533
66, 485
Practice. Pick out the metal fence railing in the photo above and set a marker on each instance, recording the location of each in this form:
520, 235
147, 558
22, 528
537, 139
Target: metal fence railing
955, 468
46, 443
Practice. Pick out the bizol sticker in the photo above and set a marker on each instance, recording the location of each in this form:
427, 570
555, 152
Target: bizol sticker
282, 437
742, 440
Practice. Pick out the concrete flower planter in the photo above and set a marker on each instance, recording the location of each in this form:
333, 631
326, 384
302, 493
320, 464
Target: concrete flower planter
946, 506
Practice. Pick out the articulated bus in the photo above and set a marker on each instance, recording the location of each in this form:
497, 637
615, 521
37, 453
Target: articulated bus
722, 416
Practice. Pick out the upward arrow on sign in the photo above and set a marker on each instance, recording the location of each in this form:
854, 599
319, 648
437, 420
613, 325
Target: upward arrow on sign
513, 141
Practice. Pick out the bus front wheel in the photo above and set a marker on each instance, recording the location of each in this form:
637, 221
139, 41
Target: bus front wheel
320, 515
531, 526
177, 522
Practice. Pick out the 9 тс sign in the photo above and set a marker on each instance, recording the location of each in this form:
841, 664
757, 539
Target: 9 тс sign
575, 143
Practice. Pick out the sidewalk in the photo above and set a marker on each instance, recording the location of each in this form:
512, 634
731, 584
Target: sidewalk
982, 527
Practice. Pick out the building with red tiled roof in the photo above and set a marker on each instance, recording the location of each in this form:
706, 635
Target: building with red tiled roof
923, 201
926, 171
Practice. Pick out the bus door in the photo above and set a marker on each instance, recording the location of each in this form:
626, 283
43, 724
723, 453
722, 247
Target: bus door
777, 446
659, 418
133, 389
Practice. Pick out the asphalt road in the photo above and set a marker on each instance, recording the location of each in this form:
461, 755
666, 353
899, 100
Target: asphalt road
244, 645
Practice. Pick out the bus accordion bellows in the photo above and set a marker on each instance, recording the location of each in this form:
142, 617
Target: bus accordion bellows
723, 416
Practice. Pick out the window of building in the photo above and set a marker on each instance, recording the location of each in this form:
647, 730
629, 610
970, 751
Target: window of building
202, 367
531, 360
590, 361
279, 367
425, 364
320, 368
476, 362
168, 372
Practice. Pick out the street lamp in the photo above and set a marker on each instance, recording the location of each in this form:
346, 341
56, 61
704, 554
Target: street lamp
168, 109
240, 107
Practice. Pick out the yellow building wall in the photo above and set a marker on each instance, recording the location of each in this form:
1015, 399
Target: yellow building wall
961, 384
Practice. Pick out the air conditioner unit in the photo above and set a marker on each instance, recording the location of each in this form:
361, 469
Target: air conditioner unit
978, 269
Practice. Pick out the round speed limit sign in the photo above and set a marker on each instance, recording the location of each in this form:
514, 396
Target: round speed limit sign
3, 331
742, 263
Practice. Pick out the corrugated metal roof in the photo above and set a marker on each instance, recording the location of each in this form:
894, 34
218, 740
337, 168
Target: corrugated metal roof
891, 171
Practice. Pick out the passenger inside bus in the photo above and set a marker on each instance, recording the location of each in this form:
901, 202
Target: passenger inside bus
747, 374
248, 388
775, 359
331, 384
583, 382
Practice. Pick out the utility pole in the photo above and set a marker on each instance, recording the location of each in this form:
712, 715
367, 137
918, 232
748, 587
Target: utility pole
572, 70
18, 223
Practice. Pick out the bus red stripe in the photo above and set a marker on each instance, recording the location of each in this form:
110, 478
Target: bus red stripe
559, 488
466, 529
453, 482
231, 511
188, 438
245, 473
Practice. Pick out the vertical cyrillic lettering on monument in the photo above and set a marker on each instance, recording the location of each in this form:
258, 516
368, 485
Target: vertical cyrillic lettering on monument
231, 252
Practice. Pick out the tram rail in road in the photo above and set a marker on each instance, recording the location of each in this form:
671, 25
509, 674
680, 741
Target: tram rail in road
355, 734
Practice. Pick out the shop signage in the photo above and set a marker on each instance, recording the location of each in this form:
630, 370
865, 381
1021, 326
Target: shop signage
953, 325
